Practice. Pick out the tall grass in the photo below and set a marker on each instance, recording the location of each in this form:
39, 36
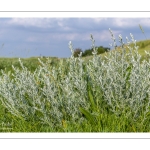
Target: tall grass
107, 93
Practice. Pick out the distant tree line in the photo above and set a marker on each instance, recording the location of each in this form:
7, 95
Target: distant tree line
88, 52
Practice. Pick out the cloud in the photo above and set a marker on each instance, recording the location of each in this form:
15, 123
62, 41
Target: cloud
55, 33
39, 22
31, 22
99, 20
130, 22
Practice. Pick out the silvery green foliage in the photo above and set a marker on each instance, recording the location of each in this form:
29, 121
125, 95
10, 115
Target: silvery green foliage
124, 80
52, 94
49, 94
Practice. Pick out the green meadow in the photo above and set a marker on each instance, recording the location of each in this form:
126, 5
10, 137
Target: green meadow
109, 92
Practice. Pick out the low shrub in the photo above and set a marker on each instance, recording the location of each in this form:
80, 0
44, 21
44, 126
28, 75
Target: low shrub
97, 92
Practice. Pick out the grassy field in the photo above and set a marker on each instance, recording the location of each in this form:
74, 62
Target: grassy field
92, 94
32, 62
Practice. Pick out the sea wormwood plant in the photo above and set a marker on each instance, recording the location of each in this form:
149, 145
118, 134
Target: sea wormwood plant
75, 90
49, 94
124, 81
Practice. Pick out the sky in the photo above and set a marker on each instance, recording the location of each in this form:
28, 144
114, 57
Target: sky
29, 37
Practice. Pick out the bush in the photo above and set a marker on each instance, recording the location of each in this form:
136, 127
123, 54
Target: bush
77, 51
100, 50
87, 52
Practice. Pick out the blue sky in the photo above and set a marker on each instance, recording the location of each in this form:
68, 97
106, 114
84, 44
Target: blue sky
27, 37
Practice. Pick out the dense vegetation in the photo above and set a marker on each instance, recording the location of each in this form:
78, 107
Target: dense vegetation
103, 93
